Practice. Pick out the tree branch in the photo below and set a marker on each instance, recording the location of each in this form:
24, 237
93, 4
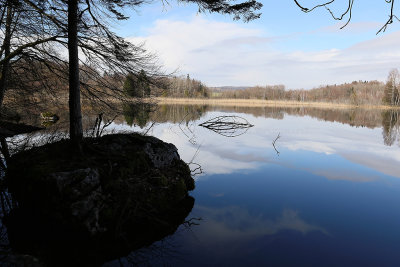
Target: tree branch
28, 45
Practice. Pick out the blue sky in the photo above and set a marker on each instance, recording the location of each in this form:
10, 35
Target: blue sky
285, 46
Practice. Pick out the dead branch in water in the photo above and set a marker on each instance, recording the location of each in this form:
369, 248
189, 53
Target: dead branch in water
98, 129
273, 143
229, 126
195, 168
191, 136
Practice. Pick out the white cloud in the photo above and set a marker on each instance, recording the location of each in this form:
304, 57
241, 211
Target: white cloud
221, 53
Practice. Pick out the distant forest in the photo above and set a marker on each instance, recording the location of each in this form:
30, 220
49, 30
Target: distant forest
51, 86
355, 93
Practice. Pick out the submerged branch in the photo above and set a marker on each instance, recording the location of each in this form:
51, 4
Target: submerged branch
229, 126
273, 143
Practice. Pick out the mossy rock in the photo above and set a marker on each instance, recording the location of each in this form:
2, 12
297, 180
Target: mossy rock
121, 187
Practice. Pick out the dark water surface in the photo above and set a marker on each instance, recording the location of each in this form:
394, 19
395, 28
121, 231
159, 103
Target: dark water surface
328, 194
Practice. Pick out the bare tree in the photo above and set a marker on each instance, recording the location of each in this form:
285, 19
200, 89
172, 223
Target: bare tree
103, 50
347, 13
391, 92
23, 34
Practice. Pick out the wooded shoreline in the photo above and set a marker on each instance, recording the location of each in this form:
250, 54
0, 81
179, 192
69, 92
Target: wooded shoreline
266, 103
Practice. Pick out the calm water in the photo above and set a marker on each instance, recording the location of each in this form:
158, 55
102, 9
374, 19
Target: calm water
328, 194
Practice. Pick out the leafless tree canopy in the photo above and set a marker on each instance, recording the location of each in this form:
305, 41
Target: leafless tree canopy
347, 13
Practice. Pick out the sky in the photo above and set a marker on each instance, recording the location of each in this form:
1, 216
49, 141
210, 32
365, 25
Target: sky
285, 46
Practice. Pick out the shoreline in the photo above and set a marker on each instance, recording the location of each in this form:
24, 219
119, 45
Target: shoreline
264, 103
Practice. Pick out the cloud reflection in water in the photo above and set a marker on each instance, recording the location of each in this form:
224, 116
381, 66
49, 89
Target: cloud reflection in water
234, 223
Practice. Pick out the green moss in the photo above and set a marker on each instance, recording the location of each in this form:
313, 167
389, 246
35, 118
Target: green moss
48, 123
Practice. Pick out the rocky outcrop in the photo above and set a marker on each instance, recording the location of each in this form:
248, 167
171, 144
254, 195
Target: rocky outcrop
121, 193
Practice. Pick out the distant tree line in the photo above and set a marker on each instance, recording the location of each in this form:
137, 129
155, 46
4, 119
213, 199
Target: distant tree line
269, 92
355, 93
186, 87
140, 86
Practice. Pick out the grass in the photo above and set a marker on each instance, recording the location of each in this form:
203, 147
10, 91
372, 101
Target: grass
265, 103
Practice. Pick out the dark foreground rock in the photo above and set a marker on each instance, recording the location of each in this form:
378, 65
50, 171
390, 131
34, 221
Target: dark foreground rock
122, 193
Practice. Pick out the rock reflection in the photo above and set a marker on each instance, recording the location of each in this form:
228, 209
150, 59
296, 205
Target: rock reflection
63, 245
161, 253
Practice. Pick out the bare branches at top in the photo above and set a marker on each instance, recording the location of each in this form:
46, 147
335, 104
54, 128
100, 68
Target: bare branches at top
246, 11
348, 12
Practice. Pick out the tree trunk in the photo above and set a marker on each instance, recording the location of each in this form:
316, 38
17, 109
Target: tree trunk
75, 114
6, 48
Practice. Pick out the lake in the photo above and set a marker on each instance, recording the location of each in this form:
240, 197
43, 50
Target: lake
301, 187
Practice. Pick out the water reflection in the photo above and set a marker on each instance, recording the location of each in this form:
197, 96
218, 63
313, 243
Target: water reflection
60, 244
330, 197
390, 126
370, 118
359, 145
141, 114
235, 223
138, 113
301, 140
278, 216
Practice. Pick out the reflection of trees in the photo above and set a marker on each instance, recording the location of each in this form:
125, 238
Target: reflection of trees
137, 113
370, 118
179, 113
390, 126
183, 114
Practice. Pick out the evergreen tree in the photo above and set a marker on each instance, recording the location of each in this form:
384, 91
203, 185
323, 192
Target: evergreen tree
137, 86
129, 85
143, 85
